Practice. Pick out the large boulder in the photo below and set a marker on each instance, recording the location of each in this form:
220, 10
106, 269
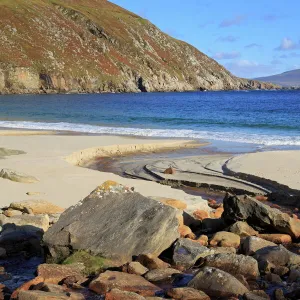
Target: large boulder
217, 283
114, 222
258, 215
252, 244
17, 176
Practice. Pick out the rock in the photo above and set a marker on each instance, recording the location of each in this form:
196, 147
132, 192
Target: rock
151, 262
11, 212
136, 268
256, 295
281, 270
37, 207
17, 176
52, 273
27, 222
278, 256
259, 215
218, 212
123, 281
242, 229
187, 294
187, 252
186, 232
294, 276
99, 223
277, 238
203, 240
279, 295
40, 295
173, 203
233, 264
170, 171
274, 278
161, 274
261, 198
217, 283
53, 288
2, 252
201, 214
27, 286
116, 294
252, 244
213, 225
225, 239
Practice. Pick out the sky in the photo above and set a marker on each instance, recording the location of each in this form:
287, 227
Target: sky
250, 38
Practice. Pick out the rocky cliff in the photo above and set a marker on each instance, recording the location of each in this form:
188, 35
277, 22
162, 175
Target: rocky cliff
95, 46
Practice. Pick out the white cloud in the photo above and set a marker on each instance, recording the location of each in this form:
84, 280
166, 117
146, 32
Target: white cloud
250, 69
226, 55
237, 20
287, 44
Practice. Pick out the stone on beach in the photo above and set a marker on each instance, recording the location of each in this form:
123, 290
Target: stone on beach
151, 262
187, 293
225, 239
37, 207
17, 176
116, 294
173, 203
242, 229
233, 264
123, 281
277, 238
136, 268
99, 223
161, 274
217, 283
259, 215
252, 244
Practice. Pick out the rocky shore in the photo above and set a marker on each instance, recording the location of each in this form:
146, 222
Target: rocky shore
118, 244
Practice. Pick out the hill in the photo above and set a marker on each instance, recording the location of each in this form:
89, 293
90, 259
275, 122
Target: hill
286, 79
96, 46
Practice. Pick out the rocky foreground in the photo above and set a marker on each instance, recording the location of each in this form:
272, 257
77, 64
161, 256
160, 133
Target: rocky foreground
73, 46
118, 244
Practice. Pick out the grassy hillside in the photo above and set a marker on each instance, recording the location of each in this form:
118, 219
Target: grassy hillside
95, 46
286, 79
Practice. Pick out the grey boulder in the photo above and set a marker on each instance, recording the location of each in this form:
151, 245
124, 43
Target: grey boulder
116, 223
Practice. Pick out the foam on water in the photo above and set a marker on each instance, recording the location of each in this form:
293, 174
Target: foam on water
228, 136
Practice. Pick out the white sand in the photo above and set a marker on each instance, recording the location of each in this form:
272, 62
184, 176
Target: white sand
280, 166
51, 159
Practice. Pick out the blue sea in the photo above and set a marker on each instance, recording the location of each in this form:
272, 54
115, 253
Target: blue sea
259, 118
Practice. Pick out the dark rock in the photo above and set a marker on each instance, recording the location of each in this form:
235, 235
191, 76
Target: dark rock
187, 252
252, 244
258, 215
273, 278
123, 281
256, 295
217, 283
233, 264
115, 222
279, 295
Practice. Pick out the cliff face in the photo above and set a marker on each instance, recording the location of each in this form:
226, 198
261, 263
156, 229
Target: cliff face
96, 46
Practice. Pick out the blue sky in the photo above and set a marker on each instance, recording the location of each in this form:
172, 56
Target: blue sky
250, 38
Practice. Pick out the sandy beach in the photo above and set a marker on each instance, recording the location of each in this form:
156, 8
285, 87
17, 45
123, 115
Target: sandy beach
52, 160
55, 161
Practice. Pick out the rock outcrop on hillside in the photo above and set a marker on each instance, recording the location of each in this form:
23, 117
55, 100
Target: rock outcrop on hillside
52, 46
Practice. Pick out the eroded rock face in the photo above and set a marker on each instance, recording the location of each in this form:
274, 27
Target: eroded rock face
259, 216
114, 222
217, 283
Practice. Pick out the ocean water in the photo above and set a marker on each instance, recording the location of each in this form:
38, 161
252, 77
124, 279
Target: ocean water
260, 118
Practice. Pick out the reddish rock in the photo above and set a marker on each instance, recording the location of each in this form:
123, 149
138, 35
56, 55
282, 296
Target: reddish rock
201, 214
186, 232
217, 213
173, 203
151, 262
123, 281
261, 198
187, 293
203, 240
275, 206
277, 238
170, 171
26, 286
225, 239
136, 268
116, 294
53, 273
294, 216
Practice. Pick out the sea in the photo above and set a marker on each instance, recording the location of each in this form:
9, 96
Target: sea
248, 120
